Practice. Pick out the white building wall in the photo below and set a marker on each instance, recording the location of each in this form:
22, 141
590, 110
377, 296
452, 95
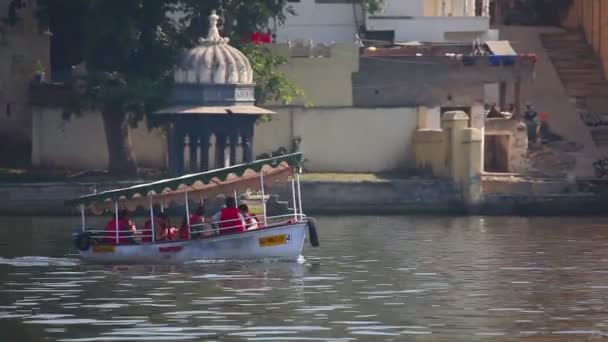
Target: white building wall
321, 22
433, 29
422, 20
414, 8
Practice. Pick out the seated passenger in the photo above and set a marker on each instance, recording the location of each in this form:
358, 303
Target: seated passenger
196, 220
229, 219
162, 225
126, 230
251, 221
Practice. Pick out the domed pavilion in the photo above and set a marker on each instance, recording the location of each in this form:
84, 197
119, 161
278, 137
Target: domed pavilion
213, 113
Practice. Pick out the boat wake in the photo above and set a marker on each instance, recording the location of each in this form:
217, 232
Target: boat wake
38, 261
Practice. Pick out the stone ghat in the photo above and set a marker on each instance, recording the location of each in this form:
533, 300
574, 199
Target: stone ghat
380, 197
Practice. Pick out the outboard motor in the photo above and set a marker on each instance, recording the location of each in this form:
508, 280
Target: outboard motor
81, 240
312, 232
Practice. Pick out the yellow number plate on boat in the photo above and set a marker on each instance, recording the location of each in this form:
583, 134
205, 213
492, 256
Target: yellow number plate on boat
104, 249
275, 240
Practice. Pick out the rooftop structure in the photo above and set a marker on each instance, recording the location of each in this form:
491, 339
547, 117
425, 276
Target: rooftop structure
327, 21
213, 98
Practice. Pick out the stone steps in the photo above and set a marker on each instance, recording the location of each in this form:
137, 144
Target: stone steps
581, 73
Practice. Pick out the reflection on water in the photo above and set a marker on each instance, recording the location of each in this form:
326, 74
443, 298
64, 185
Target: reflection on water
375, 278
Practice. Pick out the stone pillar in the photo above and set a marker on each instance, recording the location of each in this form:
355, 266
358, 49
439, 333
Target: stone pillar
472, 148
247, 149
473, 8
171, 164
179, 149
469, 8
485, 8
220, 150
234, 142
453, 124
422, 121
478, 115
204, 152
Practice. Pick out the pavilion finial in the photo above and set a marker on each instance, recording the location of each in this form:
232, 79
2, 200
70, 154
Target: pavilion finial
213, 37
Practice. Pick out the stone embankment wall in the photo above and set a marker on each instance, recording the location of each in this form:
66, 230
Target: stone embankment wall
378, 197
395, 196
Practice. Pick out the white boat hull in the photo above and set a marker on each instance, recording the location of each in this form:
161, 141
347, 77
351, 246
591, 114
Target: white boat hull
280, 242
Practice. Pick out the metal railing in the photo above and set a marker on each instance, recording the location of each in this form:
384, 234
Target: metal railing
208, 230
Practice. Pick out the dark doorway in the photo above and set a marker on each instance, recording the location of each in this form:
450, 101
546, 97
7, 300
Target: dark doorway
496, 153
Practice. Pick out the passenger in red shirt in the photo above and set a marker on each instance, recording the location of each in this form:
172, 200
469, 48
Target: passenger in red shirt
162, 225
126, 230
229, 219
251, 221
196, 219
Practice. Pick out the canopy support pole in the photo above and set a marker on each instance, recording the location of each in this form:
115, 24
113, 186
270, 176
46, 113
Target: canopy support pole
153, 232
82, 219
82, 222
293, 197
263, 196
162, 207
116, 220
299, 195
187, 214
236, 199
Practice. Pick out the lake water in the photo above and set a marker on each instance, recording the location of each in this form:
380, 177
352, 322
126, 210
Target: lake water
373, 279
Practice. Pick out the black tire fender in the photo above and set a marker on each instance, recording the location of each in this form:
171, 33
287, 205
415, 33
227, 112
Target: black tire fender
82, 241
312, 232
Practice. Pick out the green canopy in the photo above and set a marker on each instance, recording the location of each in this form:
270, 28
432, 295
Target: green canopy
205, 184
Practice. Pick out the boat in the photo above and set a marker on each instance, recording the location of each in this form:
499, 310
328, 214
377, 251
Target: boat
280, 237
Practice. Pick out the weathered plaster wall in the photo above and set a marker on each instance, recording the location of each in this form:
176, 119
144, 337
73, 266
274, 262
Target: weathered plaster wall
427, 81
342, 139
80, 142
21, 46
391, 196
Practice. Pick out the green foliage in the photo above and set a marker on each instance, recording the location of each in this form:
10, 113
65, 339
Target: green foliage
373, 6
240, 18
271, 84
